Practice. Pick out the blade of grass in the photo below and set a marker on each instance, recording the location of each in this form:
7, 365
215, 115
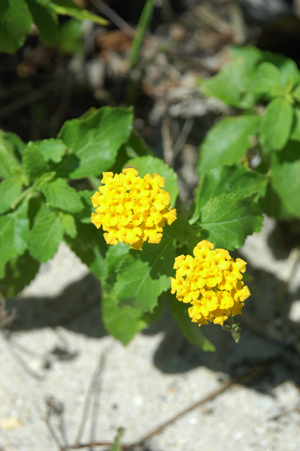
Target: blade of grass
142, 28
117, 444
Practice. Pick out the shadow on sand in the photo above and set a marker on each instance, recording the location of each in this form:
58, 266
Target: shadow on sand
77, 309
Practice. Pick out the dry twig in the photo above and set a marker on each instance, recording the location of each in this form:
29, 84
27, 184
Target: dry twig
167, 141
114, 17
255, 372
94, 384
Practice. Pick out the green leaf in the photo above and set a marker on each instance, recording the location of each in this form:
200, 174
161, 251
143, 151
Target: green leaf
228, 180
20, 271
13, 235
85, 215
134, 147
94, 141
15, 24
266, 79
121, 322
143, 276
39, 209
154, 316
295, 133
138, 146
89, 245
285, 177
288, 69
113, 260
227, 142
45, 178
13, 142
52, 149
60, 195
272, 205
36, 205
6, 241
70, 37
250, 55
296, 93
190, 330
21, 227
229, 219
150, 165
45, 236
276, 125
196, 236
69, 8
33, 161
230, 85
124, 154
45, 19
9, 191
88, 113
9, 165
180, 230
69, 225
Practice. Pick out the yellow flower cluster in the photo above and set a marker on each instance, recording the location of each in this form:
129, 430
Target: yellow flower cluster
212, 282
132, 209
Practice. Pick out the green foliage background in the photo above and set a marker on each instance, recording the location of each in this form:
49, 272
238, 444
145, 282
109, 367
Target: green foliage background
17, 17
264, 88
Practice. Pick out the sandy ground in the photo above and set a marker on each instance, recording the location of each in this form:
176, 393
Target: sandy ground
57, 353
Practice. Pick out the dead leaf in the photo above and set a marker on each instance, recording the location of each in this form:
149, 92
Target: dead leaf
114, 41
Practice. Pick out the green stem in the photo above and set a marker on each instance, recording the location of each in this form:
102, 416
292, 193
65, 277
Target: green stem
142, 28
21, 197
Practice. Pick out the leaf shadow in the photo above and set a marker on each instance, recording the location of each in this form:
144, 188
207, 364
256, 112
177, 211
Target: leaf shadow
284, 237
175, 354
77, 308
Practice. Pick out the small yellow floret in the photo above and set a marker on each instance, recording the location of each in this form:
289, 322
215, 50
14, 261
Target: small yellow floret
212, 282
132, 209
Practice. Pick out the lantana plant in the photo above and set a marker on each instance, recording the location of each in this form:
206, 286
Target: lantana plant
144, 238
